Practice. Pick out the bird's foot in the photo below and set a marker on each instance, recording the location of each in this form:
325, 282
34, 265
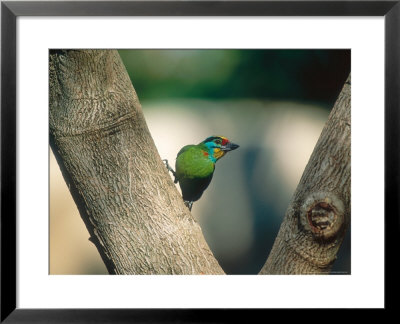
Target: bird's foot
189, 204
170, 169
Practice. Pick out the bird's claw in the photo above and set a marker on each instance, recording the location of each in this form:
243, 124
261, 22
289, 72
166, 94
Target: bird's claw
170, 169
189, 204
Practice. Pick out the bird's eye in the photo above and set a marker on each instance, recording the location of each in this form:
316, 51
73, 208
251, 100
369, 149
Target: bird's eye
217, 141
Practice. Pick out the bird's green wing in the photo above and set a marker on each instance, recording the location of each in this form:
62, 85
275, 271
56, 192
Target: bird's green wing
184, 149
192, 162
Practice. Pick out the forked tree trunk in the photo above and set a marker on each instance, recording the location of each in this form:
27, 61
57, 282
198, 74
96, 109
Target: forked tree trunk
133, 211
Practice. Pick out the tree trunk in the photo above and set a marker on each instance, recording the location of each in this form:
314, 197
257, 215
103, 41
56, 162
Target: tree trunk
132, 210
319, 213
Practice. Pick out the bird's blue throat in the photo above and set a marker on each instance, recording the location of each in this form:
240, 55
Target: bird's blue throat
210, 151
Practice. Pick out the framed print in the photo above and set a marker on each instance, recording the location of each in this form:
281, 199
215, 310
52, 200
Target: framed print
111, 90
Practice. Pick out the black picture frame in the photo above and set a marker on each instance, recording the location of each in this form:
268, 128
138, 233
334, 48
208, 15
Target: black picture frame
11, 10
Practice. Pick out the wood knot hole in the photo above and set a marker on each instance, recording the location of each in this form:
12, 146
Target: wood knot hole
321, 217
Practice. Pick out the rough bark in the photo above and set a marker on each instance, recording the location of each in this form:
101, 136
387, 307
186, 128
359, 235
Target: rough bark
132, 210
319, 213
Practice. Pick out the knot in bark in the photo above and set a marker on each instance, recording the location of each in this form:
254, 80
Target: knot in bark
323, 215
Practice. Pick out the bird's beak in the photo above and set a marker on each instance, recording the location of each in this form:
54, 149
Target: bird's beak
229, 147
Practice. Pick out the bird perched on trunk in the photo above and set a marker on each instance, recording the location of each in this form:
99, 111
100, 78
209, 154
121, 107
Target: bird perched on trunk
195, 165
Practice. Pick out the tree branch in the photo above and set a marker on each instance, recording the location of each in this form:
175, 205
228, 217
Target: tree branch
132, 210
319, 213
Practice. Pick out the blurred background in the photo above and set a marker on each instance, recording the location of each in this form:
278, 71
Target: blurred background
273, 103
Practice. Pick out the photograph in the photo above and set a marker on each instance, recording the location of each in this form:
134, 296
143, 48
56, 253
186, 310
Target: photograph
199, 161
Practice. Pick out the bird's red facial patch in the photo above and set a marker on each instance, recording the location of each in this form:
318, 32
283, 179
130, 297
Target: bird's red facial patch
225, 141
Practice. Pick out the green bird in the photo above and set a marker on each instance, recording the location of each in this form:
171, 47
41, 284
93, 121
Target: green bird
195, 166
